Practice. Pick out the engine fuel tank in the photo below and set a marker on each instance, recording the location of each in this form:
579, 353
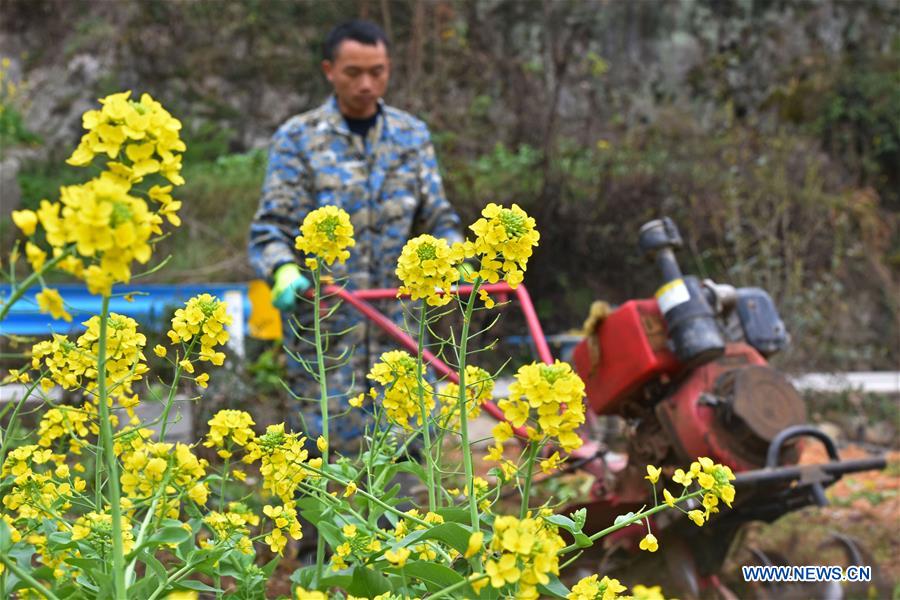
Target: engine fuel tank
628, 349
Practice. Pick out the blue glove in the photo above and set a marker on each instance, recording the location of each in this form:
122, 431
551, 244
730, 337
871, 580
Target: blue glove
289, 282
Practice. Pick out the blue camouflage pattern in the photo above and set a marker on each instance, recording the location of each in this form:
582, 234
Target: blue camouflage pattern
391, 187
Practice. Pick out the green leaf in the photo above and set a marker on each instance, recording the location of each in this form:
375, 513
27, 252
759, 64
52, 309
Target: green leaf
435, 576
198, 586
169, 535
411, 467
310, 509
453, 534
456, 515
580, 517
5, 537
154, 566
564, 522
368, 582
60, 540
270, 566
303, 576
554, 588
331, 533
142, 588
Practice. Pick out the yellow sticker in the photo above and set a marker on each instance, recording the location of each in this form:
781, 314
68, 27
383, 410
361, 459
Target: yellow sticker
672, 294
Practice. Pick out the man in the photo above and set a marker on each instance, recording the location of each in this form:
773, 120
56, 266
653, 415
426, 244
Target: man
377, 163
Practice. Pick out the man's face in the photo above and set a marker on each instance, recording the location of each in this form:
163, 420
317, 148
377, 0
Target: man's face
359, 75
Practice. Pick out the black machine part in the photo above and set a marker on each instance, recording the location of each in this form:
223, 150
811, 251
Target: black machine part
762, 325
693, 331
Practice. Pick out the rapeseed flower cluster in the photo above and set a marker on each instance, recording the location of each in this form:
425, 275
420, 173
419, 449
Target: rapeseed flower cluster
426, 270
284, 519
479, 389
103, 223
233, 525
282, 461
49, 301
594, 588
66, 422
147, 132
552, 396
73, 365
504, 238
230, 427
715, 479
524, 552
203, 319
147, 465
327, 233
96, 529
714, 482
202, 322
357, 545
396, 371
41, 482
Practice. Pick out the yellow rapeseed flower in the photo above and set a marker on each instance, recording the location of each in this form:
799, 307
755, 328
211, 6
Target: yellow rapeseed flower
426, 271
590, 588
26, 220
479, 389
327, 233
234, 425
539, 393
397, 557
649, 543
669, 498
35, 256
504, 241
351, 489
476, 542
396, 371
49, 301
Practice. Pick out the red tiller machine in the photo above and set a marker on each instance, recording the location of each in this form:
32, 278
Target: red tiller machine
687, 373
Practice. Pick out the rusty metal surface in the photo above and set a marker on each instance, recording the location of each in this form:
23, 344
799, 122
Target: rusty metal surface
764, 400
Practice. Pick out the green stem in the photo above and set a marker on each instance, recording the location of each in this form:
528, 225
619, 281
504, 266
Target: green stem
12, 419
638, 517
222, 509
111, 461
529, 472
323, 407
368, 496
426, 430
129, 571
24, 576
174, 577
463, 414
448, 591
28, 282
170, 401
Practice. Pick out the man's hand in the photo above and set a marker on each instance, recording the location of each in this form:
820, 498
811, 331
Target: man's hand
289, 282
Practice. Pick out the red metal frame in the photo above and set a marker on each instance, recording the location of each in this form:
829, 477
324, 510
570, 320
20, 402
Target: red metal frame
359, 300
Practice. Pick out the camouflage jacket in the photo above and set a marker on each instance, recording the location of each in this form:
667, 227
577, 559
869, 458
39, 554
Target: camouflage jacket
389, 184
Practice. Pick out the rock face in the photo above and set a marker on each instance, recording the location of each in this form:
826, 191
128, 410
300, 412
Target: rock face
595, 115
247, 68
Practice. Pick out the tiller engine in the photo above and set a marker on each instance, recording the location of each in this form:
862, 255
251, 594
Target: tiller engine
688, 373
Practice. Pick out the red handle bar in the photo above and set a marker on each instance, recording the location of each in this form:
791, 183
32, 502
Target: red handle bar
359, 300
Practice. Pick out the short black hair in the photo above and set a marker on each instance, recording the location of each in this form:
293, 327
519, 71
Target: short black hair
358, 30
